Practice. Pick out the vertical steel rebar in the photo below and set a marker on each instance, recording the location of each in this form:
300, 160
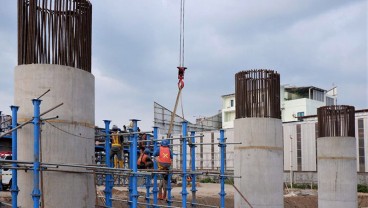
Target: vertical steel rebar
257, 94
55, 32
336, 121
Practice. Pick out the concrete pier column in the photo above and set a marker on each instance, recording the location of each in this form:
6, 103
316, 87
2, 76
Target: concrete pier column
54, 53
68, 139
336, 155
258, 126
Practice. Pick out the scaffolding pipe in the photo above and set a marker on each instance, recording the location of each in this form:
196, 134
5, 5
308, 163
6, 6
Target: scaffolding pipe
169, 176
14, 186
184, 191
108, 177
36, 193
130, 185
125, 134
172, 138
148, 180
30, 120
155, 188
148, 184
193, 160
222, 146
134, 163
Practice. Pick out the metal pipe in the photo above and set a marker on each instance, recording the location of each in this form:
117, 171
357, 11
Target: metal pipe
130, 185
148, 179
43, 94
184, 192
148, 184
108, 178
30, 120
169, 176
222, 146
126, 133
155, 166
193, 160
134, 163
172, 138
36, 193
14, 186
216, 143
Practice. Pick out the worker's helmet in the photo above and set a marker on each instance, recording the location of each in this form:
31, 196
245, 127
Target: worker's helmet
115, 128
147, 151
165, 143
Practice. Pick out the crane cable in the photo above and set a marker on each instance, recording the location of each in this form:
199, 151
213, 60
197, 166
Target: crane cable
181, 58
181, 69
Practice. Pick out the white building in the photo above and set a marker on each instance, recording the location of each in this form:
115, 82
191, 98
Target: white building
300, 147
294, 102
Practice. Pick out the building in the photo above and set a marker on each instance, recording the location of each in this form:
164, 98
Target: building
6, 140
295, 102
300, 149
162, 119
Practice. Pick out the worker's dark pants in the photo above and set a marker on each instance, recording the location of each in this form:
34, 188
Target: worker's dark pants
115, 151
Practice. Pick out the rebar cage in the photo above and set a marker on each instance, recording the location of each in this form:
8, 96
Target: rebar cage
257, 94
336, 121
55, 32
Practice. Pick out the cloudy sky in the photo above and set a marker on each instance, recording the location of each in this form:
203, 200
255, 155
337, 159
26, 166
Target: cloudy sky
136, 51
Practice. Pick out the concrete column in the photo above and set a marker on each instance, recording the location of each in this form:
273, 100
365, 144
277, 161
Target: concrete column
259, 162
69, 139
337, 175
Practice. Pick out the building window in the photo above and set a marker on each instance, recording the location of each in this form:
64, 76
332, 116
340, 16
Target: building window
318, 95
316, 130
330, 101
361, 145
299, 147
299, 115
231, 103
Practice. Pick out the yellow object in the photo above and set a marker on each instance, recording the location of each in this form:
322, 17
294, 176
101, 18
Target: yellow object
118, 163
115, 140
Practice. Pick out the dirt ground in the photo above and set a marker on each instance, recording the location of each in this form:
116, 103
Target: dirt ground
208, 194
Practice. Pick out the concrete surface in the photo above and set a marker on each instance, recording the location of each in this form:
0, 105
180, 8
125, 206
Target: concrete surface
69, 139
337, 176
259, 162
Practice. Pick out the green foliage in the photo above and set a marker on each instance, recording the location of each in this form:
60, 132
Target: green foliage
303, 186
362, 188
207, 180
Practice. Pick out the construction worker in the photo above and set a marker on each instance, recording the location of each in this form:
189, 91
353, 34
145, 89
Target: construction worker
116, 146
164, 161
144, 160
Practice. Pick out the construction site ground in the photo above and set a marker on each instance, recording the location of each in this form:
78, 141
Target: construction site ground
208, 194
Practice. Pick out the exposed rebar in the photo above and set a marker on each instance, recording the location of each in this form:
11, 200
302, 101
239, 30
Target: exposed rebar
336, 121
257, 94
55, 32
